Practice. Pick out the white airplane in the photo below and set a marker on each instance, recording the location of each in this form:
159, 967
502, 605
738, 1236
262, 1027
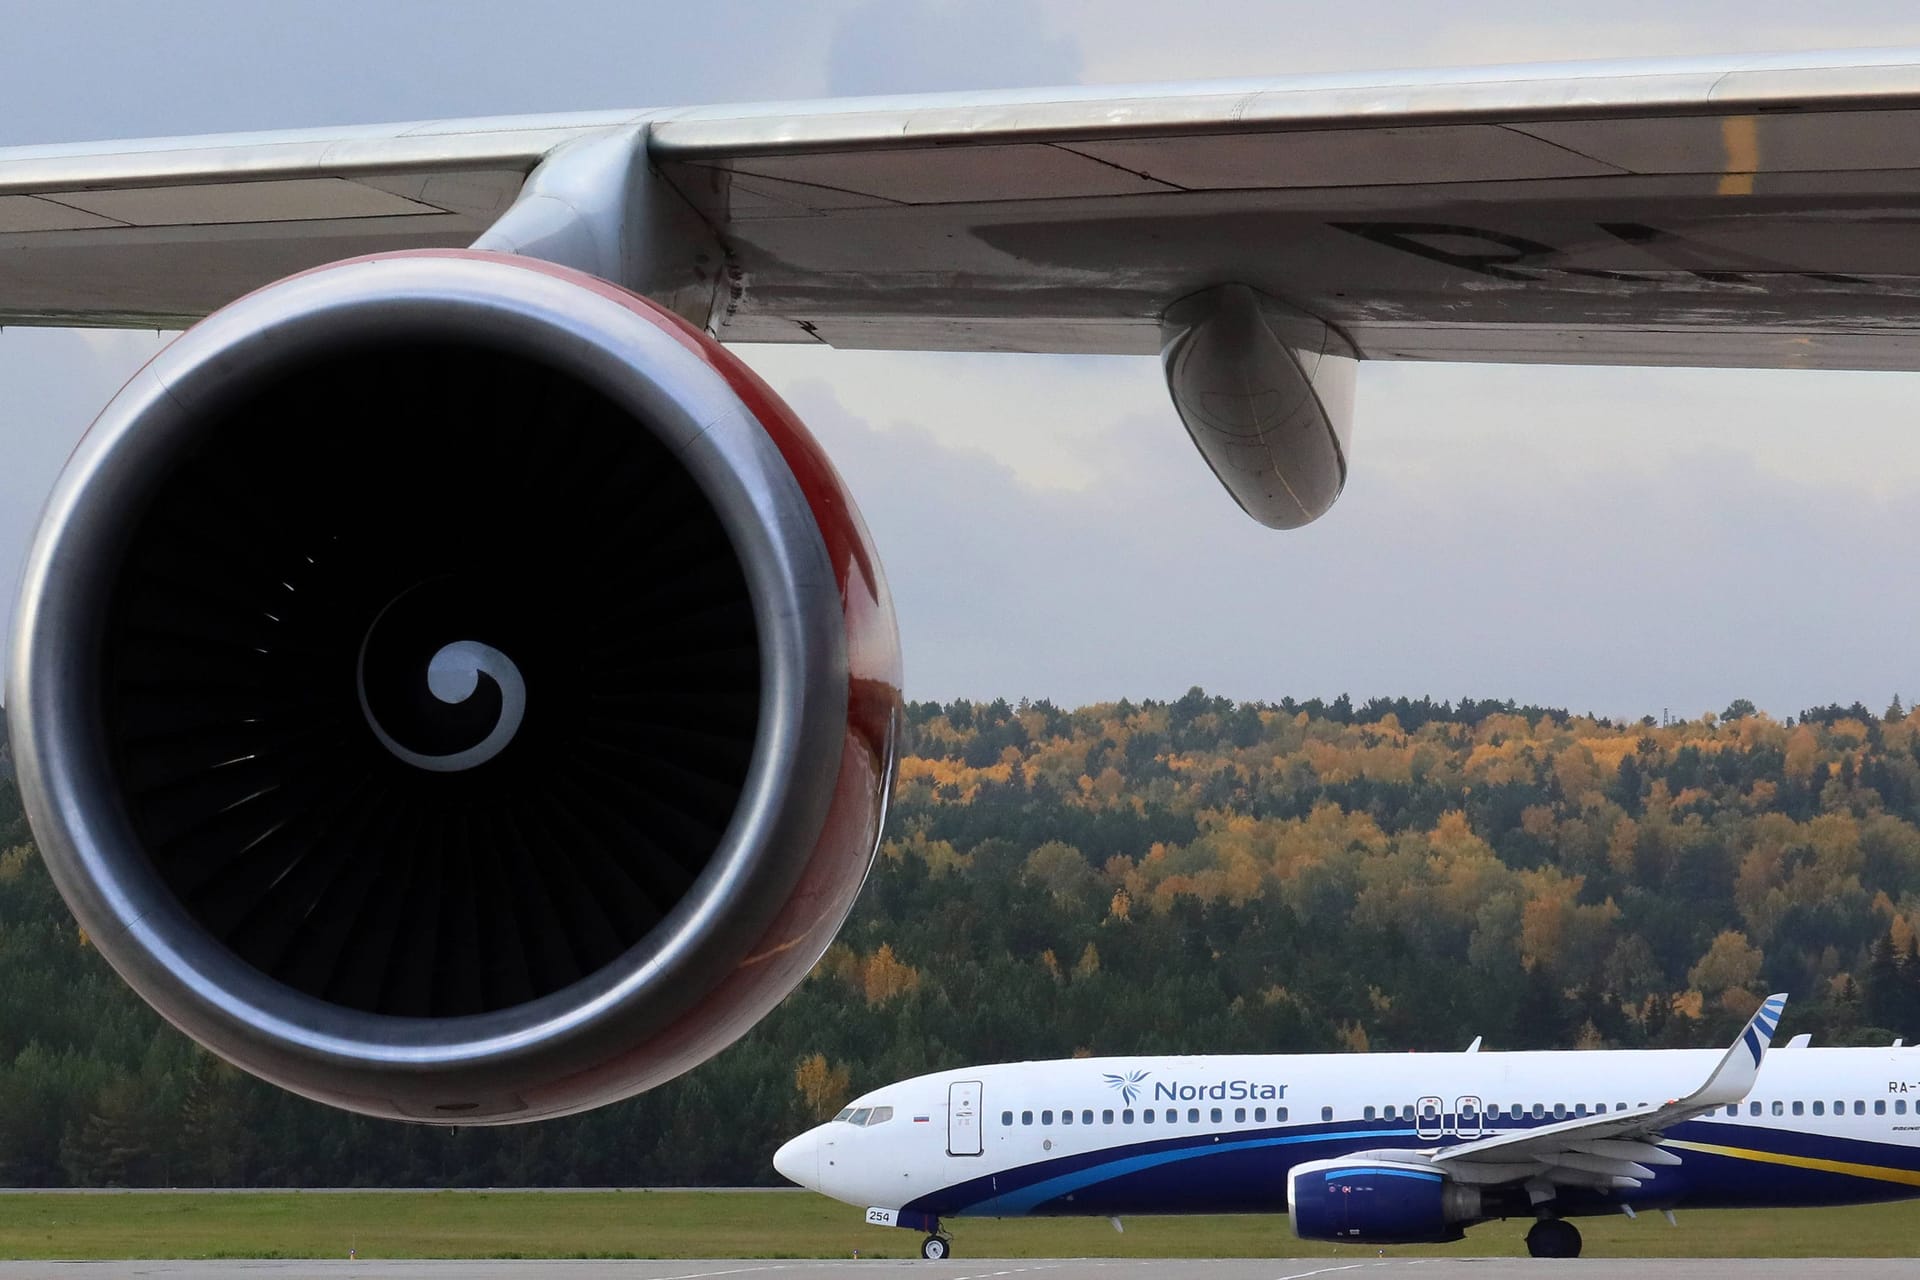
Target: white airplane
447, 682
1382, 1148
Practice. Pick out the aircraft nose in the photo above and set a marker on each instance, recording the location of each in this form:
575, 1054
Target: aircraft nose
799, 1160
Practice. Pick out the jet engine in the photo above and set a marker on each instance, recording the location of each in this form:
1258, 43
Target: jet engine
454, 688
1378, 1202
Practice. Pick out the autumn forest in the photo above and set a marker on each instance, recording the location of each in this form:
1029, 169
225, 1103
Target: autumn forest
1198, 875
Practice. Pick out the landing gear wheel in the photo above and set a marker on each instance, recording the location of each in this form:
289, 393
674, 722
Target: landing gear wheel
934, 1248
1553, 1238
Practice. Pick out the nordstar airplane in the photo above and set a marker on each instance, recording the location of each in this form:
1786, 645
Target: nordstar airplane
1383, 1148
447, 682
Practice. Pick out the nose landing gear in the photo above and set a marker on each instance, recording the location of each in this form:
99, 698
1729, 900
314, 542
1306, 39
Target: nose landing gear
1553, 1238
936, 1247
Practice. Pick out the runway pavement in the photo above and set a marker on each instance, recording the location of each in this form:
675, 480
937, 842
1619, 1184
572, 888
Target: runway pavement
1358, 1268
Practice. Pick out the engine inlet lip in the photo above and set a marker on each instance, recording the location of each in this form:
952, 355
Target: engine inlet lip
627, 351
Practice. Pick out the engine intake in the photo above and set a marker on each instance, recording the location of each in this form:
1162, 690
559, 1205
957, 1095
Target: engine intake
1378, 1202
451, 687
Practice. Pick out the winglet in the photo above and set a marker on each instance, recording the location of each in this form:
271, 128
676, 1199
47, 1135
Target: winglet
1734, 1077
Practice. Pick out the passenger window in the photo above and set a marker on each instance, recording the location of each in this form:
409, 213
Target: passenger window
1193, 1115
1753, 1108
1799, 1108
1366, 1113
1216, 1115
1559, 1111
1819, 1108
1106, 1117
1539, 1111
1619, 1106
1086, 1117
1859, 1107
1733, 1108
1779, 1109
1579, 1109
860, 1116
1879, 1106
1026, 1117
1239, 1115
1326, 1113
1006, 1117
1839, 1108
1046, 1117
1390, 1114
880, 1115
1066, 1117
1900, 1106
1146, 1117
1126, 1117
1280, 1114
1259, 1115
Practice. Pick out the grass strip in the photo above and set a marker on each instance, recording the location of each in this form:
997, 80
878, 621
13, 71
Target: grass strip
695, 1224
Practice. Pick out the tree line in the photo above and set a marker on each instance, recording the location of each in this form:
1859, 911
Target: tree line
1198, 875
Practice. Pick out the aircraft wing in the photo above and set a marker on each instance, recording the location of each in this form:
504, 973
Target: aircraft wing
1734, 212
1601, 1148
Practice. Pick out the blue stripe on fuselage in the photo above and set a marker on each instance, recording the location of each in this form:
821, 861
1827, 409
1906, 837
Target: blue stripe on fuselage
1246, 1172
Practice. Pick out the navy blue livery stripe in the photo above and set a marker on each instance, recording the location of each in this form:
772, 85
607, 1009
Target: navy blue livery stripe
1246, 1172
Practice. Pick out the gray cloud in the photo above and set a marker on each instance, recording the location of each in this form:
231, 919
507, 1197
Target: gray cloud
924, 46
86, 69
1613, 587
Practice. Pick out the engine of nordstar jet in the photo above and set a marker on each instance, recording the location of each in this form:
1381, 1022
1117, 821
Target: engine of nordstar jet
1378, 1202
455, 689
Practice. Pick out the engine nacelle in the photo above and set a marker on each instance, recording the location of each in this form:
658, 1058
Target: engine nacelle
1378, 1202
453, 688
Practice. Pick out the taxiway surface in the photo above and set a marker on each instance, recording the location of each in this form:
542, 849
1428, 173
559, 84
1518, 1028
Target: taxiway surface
987, 1269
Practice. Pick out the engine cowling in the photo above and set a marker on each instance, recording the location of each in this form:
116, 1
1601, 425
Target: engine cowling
454, 688
1378, 1202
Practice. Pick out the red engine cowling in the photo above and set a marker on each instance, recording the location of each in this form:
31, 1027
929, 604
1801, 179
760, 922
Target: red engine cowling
454, 688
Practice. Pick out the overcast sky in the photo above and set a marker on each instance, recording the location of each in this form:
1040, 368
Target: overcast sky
1619, 540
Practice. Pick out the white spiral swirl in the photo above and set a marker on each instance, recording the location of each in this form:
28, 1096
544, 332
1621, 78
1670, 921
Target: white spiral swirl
452, 676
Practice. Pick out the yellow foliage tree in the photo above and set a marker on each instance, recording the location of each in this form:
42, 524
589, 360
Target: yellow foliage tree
1087, 965
821, 1085
1731, 963
888, 977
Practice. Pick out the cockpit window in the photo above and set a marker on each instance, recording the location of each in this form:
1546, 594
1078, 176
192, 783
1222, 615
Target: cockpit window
843, 1115
864, 1116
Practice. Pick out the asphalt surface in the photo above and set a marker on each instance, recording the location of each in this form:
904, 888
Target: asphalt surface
1358, 1268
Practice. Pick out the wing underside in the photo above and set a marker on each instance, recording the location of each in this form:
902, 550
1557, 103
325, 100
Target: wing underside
1753, 212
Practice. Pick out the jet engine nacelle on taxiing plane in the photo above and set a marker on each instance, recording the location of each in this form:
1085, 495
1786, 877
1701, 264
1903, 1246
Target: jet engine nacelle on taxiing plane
450, 684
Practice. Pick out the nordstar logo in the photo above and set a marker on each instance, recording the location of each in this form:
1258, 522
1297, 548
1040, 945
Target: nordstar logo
1128, 1085
1219, 1091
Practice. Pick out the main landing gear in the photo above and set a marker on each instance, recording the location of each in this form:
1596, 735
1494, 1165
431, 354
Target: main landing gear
1553, 1238
936, 1247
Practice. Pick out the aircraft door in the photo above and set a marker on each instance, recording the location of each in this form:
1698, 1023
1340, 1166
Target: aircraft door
1431, 1122
963, 1118
1467, 1117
